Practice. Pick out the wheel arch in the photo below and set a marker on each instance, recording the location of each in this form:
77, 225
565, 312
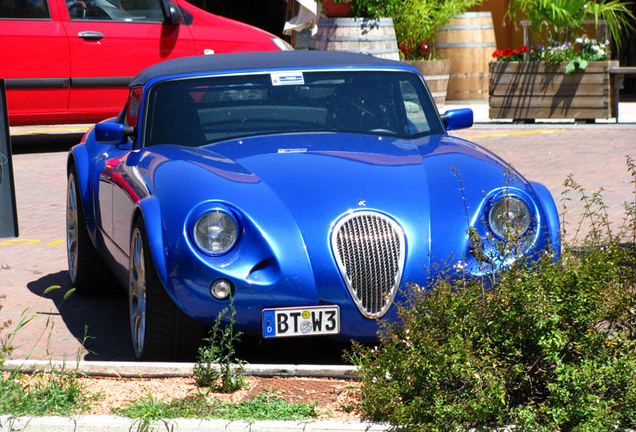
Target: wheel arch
148, 211
78, 157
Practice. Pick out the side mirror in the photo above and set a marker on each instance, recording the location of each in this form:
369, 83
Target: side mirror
112, 133
172, 12
458, 119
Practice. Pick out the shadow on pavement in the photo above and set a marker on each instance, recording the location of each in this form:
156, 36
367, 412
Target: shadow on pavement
101, 321
104, 320
44, 143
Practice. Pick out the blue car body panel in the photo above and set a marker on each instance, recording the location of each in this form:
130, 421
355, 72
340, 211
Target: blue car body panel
287, 191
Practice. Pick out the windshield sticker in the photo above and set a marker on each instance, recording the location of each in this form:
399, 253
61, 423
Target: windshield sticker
293, 150
287, 78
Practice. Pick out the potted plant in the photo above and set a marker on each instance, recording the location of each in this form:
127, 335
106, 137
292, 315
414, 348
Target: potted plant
367, 29
564, 78
417, 23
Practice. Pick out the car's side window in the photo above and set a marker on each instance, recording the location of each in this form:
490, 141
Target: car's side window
132, 108
116, 10
24, 9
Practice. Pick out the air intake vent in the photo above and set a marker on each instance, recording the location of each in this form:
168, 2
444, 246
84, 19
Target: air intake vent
369, 248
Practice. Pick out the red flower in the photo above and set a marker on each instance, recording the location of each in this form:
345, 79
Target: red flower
509, 54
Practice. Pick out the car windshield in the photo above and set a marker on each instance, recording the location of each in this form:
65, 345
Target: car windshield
200, 111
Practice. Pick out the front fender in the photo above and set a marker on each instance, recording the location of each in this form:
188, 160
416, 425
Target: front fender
78, 156
150, 210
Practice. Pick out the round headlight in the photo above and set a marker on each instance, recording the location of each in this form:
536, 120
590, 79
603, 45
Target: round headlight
215, 232
509, 216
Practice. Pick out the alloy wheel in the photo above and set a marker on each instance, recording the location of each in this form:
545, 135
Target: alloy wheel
137, 293
72, 228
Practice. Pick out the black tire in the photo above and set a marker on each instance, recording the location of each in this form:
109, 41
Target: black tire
87, 271
159, 329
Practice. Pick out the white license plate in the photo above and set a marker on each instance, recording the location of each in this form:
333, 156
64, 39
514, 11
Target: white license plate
307, 321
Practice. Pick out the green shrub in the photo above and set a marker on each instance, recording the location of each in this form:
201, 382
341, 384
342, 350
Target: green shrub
545, 345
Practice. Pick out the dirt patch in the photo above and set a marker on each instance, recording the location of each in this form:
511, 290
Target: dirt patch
337, 399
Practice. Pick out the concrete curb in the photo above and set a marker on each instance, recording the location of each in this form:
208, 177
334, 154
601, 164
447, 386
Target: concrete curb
159, 369
121, 424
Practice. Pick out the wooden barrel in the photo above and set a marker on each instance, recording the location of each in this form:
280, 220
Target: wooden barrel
468, 42
374, 36
436, 74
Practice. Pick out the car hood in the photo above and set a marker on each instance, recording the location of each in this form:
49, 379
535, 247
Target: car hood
311, 180
319, 175
325, 175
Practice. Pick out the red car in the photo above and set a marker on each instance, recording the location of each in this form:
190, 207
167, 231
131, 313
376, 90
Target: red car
71, 61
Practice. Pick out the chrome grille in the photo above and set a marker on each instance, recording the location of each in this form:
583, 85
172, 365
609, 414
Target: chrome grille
369, 248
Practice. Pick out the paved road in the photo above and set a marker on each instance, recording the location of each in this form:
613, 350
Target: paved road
594, 154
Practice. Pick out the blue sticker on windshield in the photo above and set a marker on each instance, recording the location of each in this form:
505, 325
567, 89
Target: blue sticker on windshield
287, 78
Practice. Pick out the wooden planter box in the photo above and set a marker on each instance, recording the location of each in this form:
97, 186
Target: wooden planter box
530, 90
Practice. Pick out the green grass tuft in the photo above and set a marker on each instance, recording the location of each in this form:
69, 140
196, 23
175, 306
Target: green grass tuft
264, 406
43, 394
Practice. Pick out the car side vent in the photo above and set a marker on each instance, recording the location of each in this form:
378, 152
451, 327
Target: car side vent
369, 248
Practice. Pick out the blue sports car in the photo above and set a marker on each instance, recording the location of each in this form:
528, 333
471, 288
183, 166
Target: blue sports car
307, 188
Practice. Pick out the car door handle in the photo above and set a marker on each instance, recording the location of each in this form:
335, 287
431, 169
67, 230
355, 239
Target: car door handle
90, 35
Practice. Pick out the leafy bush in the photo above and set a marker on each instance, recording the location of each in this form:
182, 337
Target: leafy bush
416, 22
544, 344
565, 18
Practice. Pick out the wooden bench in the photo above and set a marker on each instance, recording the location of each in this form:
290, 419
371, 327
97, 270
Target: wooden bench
617, 74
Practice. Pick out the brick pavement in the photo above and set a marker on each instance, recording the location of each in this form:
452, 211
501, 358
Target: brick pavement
37, 260
595, 154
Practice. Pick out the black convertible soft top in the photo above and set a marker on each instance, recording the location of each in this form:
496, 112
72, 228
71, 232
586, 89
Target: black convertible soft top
260, 60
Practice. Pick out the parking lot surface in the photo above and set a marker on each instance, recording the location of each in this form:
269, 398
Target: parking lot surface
96, 328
